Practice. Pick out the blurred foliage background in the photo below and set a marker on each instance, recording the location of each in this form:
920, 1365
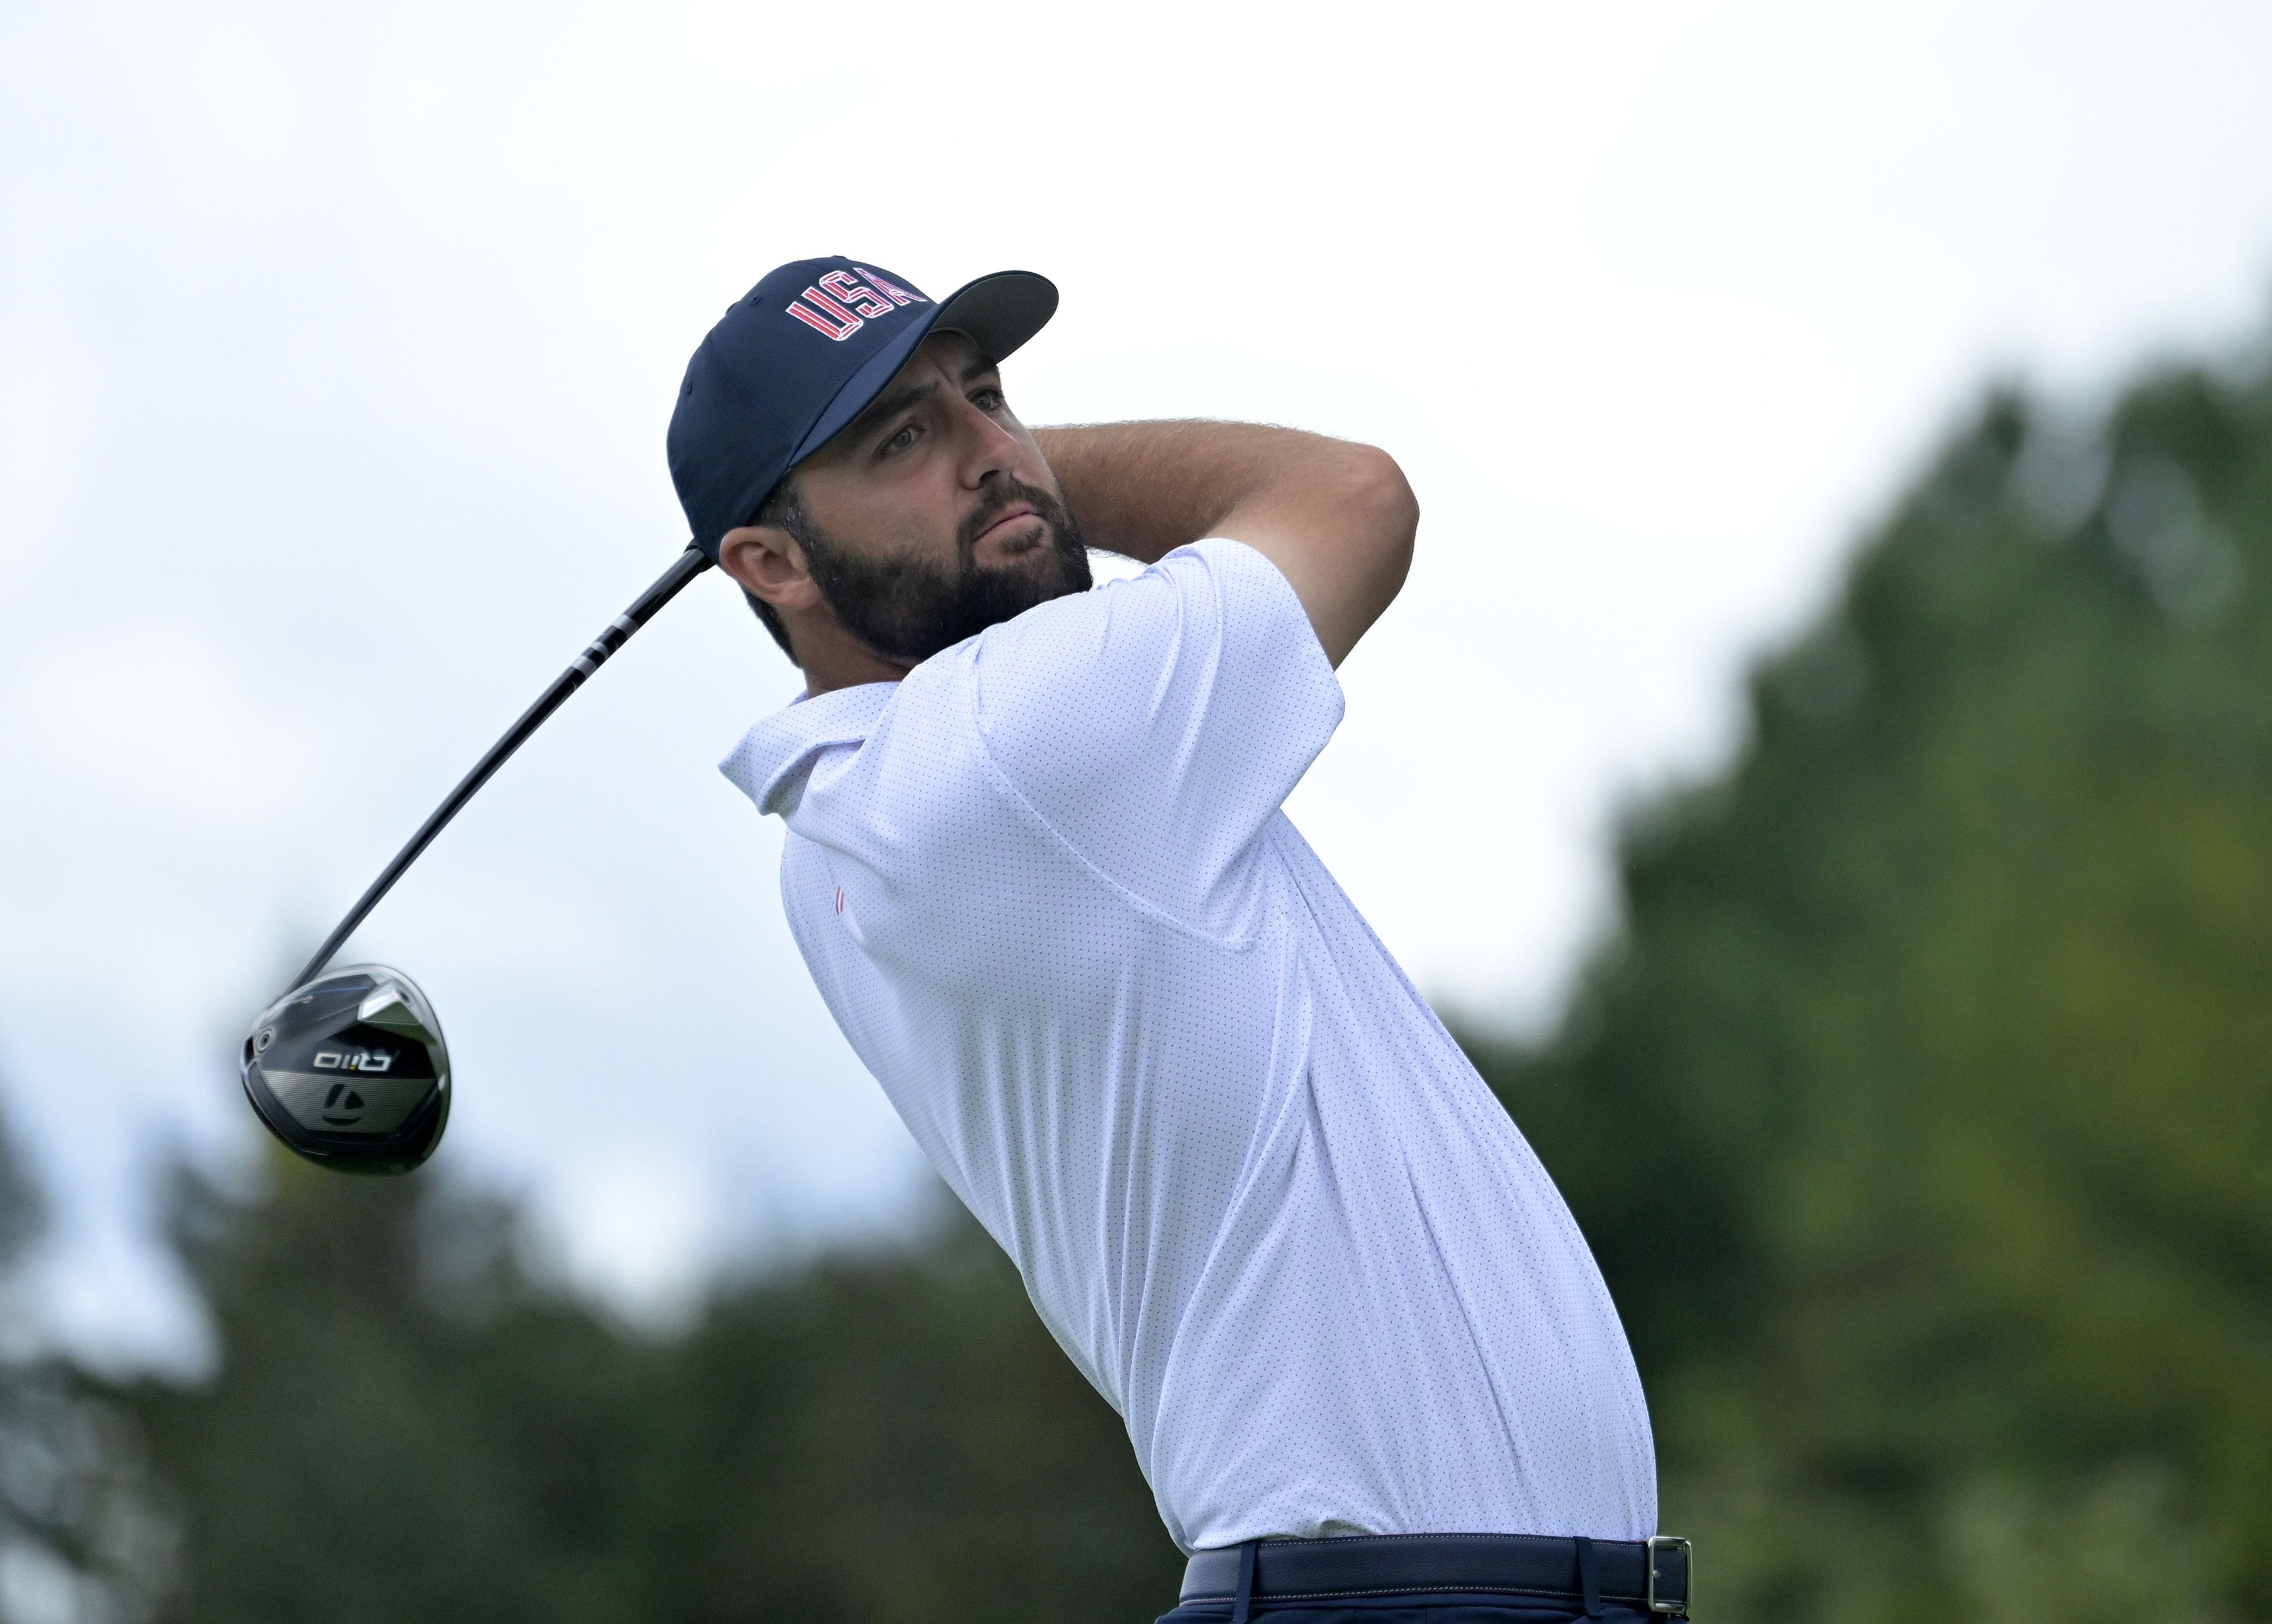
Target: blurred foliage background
1918, 1113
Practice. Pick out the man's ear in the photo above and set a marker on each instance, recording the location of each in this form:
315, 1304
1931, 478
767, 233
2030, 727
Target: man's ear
769, 565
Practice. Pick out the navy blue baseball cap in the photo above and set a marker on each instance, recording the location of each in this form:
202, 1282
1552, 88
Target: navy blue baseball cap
799, 356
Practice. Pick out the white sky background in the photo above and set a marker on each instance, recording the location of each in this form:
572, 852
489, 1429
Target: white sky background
337, 344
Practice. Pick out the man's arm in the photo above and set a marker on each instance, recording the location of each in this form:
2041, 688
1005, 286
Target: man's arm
1337, 518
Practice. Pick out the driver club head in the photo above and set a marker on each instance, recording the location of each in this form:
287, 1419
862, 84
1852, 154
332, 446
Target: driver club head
349, 1070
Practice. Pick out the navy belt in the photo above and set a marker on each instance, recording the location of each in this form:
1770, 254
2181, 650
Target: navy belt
1650, 1575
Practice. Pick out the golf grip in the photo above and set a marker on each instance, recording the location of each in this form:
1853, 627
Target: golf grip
687, 567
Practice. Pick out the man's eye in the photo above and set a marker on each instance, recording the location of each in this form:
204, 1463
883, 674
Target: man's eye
899, 441
988, 401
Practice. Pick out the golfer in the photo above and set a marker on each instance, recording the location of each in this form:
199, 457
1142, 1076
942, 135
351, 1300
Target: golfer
1038, 865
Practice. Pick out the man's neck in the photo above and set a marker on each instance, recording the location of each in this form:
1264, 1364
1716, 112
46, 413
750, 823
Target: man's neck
833, 659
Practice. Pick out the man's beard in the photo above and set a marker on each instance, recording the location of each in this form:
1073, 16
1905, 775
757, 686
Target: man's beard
907, 607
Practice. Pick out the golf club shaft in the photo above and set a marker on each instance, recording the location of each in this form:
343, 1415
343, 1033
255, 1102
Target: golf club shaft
687, 567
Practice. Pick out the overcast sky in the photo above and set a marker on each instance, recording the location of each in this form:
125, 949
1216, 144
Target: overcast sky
337, 345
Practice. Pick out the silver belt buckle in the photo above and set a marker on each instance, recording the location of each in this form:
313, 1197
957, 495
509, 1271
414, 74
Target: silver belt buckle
1657, 1542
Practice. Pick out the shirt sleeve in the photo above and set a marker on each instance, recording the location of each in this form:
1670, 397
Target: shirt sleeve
1156, 724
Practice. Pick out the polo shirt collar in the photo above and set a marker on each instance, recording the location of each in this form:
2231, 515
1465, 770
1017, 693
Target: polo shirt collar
767, 766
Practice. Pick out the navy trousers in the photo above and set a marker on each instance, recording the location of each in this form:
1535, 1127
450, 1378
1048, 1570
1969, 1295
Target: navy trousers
1411, 1609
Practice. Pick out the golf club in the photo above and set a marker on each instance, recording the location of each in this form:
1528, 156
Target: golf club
348, 1069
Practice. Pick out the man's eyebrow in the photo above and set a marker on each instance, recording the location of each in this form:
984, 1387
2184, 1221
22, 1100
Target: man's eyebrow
890, 406
980, 367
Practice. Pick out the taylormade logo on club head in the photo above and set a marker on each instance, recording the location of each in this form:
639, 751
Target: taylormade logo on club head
343, 1112
837, 306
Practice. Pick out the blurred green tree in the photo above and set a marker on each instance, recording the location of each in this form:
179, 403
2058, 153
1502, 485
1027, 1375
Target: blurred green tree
1919, 1112
406, 1424
85, 1532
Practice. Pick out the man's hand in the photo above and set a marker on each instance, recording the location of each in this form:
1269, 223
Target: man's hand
1337, 518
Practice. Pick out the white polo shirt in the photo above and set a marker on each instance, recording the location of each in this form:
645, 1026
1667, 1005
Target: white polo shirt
1254, 1188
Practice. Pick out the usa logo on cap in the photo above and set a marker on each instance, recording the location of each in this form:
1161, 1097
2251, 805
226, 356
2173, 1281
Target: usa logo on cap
837, 307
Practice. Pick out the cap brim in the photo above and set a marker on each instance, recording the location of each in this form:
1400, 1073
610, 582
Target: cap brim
998, 313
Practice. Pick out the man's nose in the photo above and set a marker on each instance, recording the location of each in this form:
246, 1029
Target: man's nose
988, 447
